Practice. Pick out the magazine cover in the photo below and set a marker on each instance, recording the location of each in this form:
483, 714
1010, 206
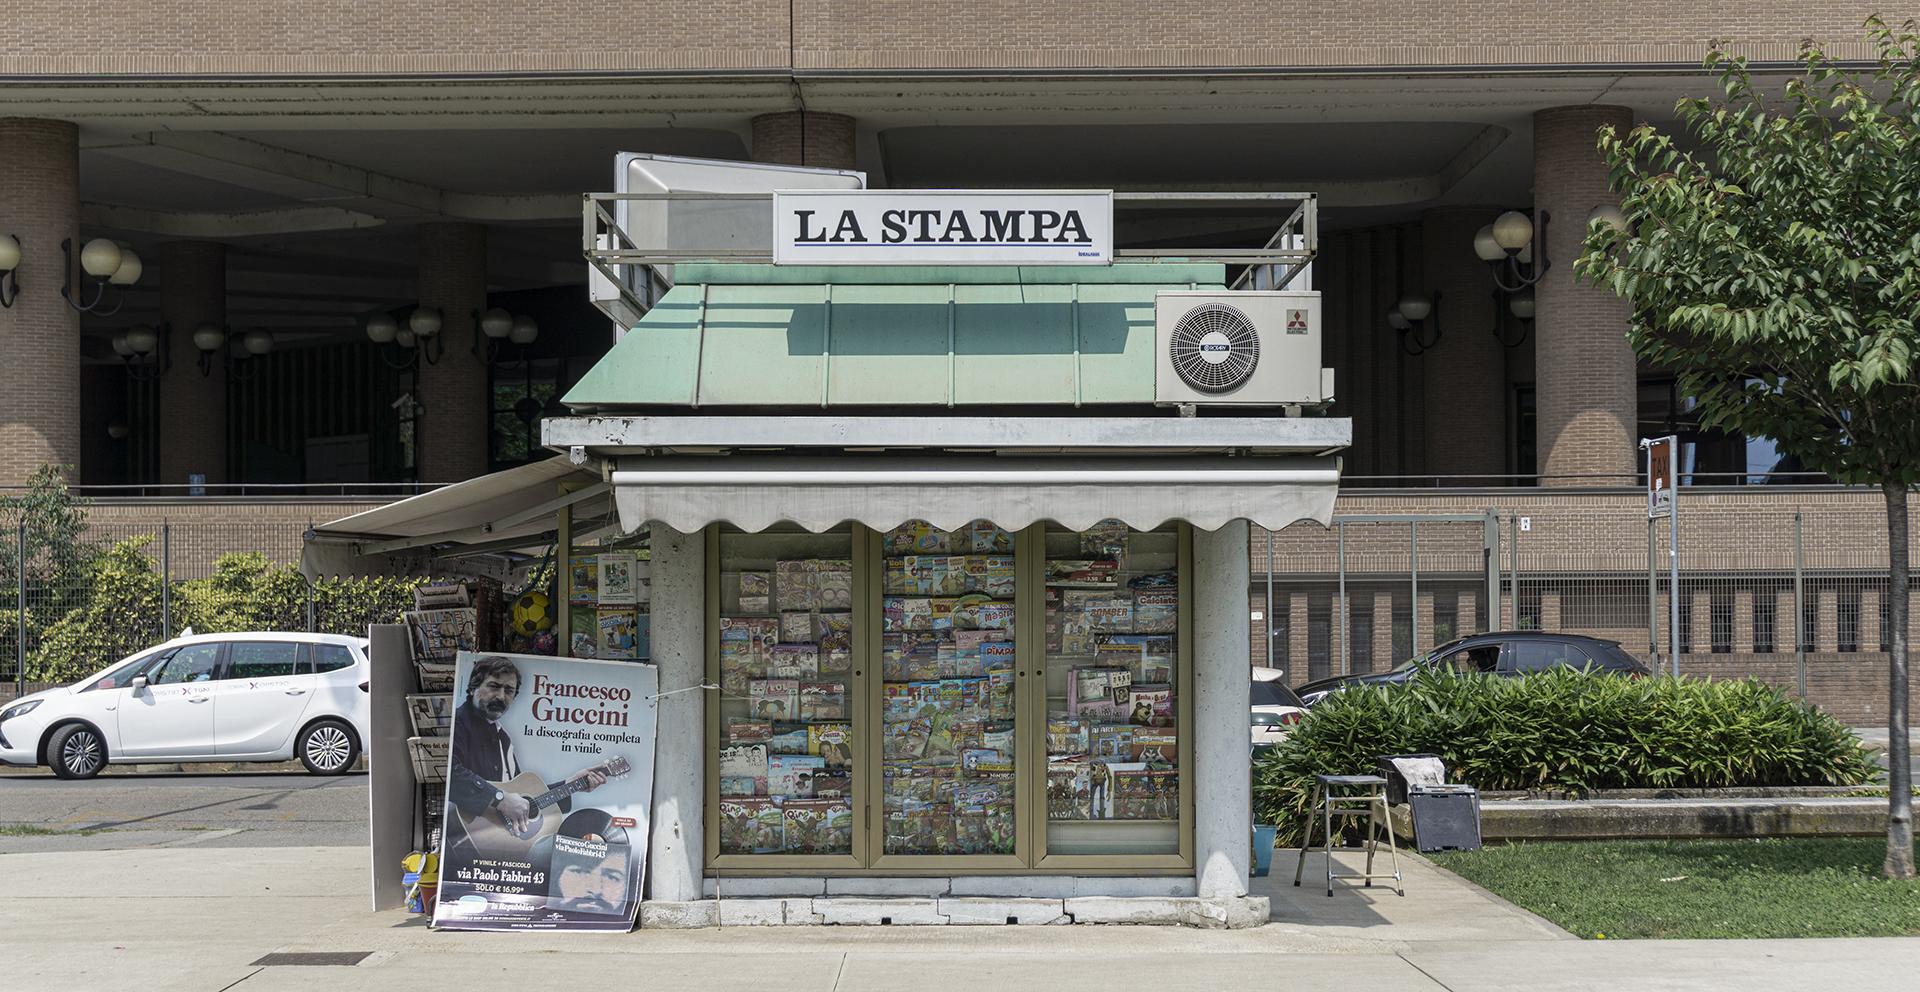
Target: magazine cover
583, 572
550, 776
619, 579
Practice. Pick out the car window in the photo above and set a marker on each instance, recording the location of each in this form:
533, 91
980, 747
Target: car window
193, 663
1273, 694
1475, 660
121, 675
262, 659
1266, 719
1540, 656
327, 658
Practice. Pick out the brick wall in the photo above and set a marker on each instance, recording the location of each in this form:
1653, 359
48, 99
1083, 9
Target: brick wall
40, 379
209, 37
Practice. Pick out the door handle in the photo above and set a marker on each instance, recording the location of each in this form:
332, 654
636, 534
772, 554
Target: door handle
296, 692
198, 699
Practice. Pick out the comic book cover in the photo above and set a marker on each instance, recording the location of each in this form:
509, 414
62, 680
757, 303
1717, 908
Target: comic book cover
796, 584
739, 819
1108, 650
1000, 695
838, 836
774, 699
796, 627
985, 760
997, 655
1109, 614
1111, 741
896, 701
823, 701
583, 579
833, 742
743, 770
1082, 573
1156, 610
584, 630
749, 641
619, 579
904, 740
947, 663
1155, 663
915, 537
1067, 790
805, 822
749, 731
1095, 692
794, 661
1066, 738
791, 775
833, 783
1133, 792
950, 575
1156, 745
755, 584
769, 828
835, 585
994, 616
1099, 790
982, 536
997, 576
617, 634
1150, 705
939, 613
836, 642
789, 738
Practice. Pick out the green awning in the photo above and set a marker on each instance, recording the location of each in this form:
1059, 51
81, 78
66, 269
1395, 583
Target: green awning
757, 335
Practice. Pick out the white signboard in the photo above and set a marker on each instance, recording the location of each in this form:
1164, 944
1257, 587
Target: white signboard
942, 227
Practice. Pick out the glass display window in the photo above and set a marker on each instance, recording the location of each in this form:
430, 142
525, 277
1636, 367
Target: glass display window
784, 722
948, 733
1116, 691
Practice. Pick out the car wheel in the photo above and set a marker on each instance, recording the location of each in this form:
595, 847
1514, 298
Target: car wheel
76, 751
328, 748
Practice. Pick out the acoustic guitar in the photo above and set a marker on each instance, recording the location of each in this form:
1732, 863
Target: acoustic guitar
491, 834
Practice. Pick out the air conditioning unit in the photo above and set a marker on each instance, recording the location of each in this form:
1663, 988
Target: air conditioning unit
1242, 349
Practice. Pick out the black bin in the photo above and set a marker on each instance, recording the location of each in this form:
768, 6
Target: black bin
1445, 817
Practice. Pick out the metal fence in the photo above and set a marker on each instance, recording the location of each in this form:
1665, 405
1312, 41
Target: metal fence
84, 591
1784, 585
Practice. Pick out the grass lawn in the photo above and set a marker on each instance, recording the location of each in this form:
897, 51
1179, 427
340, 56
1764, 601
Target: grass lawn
1813, 887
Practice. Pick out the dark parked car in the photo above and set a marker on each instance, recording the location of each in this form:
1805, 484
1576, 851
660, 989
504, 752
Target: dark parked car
1509, 652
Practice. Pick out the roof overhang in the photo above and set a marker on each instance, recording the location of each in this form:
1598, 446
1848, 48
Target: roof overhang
633, 435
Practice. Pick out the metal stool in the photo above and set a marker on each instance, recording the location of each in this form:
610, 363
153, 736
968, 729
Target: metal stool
1333, 797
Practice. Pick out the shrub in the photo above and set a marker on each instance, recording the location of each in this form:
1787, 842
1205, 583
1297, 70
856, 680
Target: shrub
1562, 730
120, 615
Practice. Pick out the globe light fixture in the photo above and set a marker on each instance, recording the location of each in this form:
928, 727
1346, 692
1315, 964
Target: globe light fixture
117, 430
1512, 231
1418, 333
1610, 215
9, 261
209, 337
127, 272
497, 323
1521, 306
524, 330
424, 322
381, 328
103, 263
142, 339
258, 341
1508, 247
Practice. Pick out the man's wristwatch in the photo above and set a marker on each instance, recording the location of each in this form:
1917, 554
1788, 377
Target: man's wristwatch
498, 796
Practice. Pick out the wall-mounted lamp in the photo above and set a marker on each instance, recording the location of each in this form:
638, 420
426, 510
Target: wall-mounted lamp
1517, 308
1506, 245
499, 328
105, 264
140, 349
1417, 319
9, 261
117, 430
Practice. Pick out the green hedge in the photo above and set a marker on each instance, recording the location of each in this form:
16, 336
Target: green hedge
1562, 730
117, 609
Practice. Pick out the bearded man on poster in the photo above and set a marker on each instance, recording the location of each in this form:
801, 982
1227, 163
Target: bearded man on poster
482, 754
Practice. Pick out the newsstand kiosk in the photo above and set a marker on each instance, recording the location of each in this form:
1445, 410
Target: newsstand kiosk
944, 502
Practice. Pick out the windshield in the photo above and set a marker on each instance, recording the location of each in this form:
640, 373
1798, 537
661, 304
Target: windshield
1274, 694
1439, 652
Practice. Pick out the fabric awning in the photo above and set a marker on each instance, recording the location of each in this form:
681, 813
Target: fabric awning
816, 493
504, 511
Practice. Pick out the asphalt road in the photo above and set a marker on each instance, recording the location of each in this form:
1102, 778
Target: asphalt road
41, 813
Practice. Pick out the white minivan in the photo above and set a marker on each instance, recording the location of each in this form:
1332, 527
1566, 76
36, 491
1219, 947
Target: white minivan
202, 697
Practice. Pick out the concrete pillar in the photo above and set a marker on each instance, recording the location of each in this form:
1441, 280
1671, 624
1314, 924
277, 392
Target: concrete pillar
40, 380
455, 419
1223, 793
1466, 399
1585, 376
1743, 621
808, 137
676, 861
193, 408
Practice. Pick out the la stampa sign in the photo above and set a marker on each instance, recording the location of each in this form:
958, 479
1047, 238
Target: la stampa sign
942, 227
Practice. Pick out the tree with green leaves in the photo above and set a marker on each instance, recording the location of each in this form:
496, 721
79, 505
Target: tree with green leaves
1774, 267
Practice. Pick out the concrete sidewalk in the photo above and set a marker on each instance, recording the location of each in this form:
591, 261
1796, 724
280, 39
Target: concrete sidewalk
198, 919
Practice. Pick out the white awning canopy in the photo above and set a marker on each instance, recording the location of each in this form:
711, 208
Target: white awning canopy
506, 511
816, 493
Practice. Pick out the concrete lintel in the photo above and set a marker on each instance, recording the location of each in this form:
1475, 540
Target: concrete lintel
612, 435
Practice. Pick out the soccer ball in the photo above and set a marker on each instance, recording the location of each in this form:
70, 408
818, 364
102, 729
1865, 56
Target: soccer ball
532, 613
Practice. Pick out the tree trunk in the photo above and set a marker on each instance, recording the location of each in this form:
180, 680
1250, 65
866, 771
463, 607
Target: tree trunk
1899, 767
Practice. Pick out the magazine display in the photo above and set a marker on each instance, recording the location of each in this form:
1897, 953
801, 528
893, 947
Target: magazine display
786, 732
947, 660
608, 597
1113, 740
549, 782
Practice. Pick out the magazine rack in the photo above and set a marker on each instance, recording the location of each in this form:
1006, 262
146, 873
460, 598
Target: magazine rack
1351, 795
